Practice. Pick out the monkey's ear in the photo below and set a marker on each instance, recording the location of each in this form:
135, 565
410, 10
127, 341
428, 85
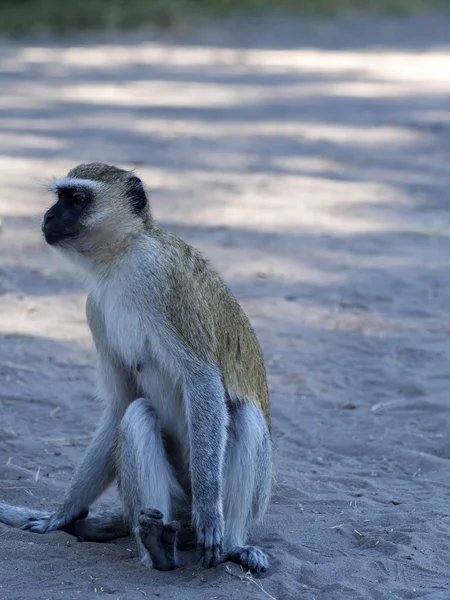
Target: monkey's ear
136, 194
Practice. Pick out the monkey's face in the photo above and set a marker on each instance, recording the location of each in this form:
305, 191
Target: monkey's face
97, 206
63, 222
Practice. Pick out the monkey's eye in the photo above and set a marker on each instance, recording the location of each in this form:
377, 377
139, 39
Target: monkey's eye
78, 199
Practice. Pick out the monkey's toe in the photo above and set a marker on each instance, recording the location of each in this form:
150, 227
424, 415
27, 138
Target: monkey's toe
152, 513
173, 526
170, 532
250, 557
150, 526
169, 541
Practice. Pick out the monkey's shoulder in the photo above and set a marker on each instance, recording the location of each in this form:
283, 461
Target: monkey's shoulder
178, 254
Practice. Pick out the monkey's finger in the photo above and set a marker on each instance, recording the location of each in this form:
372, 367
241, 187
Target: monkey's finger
217, 555
27, 525
199, 553
204, 554
261, 569
212, 556
200, 544
209, 546
208, 558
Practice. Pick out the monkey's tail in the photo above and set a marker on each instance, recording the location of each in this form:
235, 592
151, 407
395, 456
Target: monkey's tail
103, 527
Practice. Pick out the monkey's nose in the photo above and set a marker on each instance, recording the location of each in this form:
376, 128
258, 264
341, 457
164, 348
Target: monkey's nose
47, 222
47, 219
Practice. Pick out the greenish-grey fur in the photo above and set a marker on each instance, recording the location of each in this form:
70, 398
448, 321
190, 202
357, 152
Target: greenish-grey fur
214, 325
211, 322
107, 174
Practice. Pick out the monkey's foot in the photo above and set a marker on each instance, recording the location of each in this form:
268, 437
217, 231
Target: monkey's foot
159, 539
250, 557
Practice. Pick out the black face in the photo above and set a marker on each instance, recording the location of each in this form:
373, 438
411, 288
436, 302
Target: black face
61, 221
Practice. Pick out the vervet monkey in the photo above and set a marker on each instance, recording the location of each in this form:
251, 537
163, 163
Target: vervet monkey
186, 425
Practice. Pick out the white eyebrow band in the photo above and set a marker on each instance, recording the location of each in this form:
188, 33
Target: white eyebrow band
74, 182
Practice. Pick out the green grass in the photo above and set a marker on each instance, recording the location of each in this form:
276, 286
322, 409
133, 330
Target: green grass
19, 17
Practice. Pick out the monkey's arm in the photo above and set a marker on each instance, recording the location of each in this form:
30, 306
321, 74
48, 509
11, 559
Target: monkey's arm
207, 421
96, 470
91, 478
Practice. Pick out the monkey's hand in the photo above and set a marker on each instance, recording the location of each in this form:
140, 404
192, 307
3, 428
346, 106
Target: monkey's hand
58, 520
210, 540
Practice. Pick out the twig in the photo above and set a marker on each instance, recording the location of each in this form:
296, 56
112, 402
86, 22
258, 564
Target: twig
4, 533
11, 365
397, 402
14, 487
9, 463
66, 441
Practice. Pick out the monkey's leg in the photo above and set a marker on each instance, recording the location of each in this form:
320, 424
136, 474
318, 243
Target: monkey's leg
103, 527
148, 486
247, 482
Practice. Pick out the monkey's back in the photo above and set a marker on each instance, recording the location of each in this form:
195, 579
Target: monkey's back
203, 312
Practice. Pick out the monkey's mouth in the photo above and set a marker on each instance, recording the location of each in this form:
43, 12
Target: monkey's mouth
55, 236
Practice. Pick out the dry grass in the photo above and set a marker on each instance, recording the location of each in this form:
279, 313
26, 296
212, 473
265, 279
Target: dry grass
247, 577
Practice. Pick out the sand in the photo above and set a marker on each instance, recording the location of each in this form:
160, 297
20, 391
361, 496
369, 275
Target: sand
310, 162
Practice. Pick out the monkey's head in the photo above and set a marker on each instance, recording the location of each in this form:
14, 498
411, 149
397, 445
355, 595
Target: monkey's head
96, 204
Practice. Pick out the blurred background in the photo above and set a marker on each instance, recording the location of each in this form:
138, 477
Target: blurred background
304, 147
31, 16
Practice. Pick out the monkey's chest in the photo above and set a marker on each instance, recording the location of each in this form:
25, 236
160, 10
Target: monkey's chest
124, 331
165, 393
142, 349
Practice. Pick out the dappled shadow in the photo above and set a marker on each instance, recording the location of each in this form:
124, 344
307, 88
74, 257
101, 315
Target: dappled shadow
318, 112
190, 107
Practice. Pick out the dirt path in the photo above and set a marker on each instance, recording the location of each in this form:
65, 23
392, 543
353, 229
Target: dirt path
311, 164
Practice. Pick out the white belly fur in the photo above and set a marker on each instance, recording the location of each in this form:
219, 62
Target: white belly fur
136, 341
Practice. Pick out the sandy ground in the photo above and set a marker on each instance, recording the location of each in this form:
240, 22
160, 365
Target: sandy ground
311, 164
